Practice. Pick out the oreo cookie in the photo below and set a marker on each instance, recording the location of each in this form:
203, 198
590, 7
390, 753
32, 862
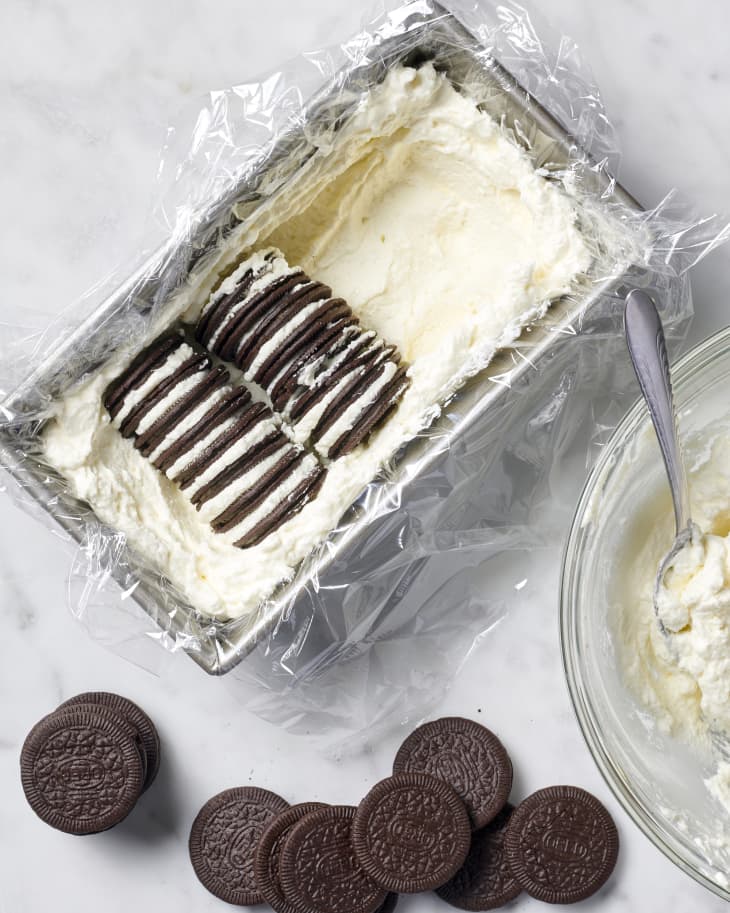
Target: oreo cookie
468, 757
289, 506
241, 425
135, 717
411, 833
243, 324
562, 844
268, 855
231, 401
223, 841
374, 416
485, 881
81, 769
285, 466
319, 871
168, 388
148, 360
287, 333
281, 387
210, 382
227, 453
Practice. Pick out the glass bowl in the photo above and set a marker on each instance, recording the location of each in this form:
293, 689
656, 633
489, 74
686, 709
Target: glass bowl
657, 779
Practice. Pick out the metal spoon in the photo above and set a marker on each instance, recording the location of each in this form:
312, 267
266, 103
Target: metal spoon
648, 351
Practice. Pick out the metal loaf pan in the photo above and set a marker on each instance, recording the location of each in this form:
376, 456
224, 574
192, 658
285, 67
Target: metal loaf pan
218, 646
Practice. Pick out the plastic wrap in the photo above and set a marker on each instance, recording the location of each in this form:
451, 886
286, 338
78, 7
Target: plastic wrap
378, 618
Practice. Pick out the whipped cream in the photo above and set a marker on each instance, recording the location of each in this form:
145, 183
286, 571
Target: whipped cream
436, 228
683, 676
694, 606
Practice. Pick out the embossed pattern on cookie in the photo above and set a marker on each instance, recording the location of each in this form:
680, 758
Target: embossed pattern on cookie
561, 844
485, 881
467, 756
81, 769
223, 841
411, 833
319, 871
136, 717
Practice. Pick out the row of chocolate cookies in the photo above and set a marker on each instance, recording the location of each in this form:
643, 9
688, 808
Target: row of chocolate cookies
331, 379
227, 453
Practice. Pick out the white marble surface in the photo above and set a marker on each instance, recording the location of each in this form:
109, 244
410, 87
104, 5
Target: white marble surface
85, 91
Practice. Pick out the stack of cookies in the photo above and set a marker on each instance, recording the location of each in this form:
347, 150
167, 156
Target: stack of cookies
246, 467
227, 453
333, 380
84, 766
440, 823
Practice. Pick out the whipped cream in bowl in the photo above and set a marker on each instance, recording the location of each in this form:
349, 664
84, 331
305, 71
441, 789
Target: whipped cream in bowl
653, 702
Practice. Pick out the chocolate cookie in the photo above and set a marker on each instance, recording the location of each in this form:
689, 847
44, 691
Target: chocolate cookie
211, 382
136, 717
228, 454
282, 387
288, 506
232, 401
268, 855
485, 881
223, 841
372, 416
468, 757
561, 844
167, 391
81, 769
287, 333
239, 426
316, 332
148, 360
319, 871
411, 833
273, 442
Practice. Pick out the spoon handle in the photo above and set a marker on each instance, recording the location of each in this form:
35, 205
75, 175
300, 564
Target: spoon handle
648, 351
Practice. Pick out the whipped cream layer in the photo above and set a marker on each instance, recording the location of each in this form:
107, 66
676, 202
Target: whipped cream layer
435, 227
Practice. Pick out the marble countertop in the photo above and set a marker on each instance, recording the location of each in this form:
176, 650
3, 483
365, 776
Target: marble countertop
86, 90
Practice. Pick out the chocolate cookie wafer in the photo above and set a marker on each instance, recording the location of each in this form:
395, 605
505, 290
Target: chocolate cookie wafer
411, 833
81, 769
467, 756
223, 841
332, 379
227, 453
485, 881
135, 716
318, 869
561, 844
268, 855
